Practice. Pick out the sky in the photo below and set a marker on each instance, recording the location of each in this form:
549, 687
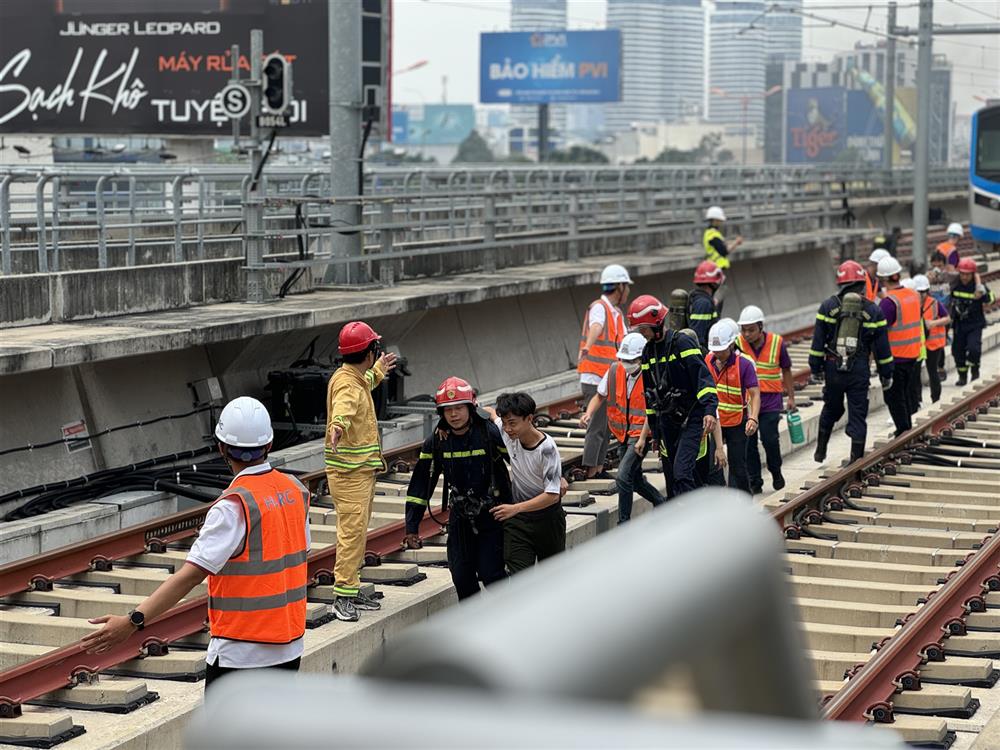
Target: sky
446, 34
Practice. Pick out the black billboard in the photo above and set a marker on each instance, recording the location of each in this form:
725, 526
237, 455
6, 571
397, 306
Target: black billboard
155, 67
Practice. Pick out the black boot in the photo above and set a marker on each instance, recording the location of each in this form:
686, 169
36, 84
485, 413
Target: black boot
857, 450
975, 372
777, 480
822, 440
962, 380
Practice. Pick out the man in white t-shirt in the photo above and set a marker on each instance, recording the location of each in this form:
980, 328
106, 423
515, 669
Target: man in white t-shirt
603, 330
255, 539
535, 523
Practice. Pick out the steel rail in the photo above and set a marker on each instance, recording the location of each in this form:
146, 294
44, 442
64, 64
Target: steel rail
867, 696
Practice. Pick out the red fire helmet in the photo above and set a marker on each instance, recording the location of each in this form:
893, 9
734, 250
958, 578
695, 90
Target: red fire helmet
454, 391
356, 336
849, 272
646, 310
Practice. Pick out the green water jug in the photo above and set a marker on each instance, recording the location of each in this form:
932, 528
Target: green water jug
795, 427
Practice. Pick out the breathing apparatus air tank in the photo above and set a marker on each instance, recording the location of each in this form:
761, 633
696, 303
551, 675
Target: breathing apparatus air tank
678, 310
849, 320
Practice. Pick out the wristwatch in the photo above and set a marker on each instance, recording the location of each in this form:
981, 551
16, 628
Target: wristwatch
137, 618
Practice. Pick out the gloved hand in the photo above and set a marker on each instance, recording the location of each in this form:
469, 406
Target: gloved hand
412, 541
886, 382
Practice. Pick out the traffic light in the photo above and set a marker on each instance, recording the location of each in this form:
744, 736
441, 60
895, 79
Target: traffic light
277, 83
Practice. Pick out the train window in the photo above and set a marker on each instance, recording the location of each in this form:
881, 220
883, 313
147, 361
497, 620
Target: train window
988, 144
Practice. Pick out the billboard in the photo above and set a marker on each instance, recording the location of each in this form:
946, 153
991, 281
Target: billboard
155, 68
541, 67
815, 124
432, 124
865, 131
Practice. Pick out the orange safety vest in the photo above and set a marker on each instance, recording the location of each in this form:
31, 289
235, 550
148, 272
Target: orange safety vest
936, 336
871, 288
768, 362
604, 351
906, 335
626, 411
260, 594
732, 401
945, 248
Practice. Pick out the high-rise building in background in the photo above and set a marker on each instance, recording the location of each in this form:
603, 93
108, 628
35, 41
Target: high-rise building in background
538, 15
783, 29
663, 61
738, 41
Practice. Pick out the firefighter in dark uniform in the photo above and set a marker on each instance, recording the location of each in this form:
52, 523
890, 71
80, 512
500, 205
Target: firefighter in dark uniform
471, 457
849, 329
703, 311
968, 296
681, 399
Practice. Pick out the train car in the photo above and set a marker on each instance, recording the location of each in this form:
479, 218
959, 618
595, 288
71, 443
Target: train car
984, 177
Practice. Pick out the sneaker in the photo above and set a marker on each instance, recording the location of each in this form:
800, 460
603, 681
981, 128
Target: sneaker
344, 610
363, 601
778, 482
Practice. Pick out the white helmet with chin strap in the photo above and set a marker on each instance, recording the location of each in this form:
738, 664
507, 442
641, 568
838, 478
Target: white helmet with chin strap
245, 423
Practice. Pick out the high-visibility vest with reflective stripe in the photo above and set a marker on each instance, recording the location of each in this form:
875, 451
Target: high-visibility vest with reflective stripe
604, 352
768, 362
936, 336
710, 252
871, 288
260, 593
626, 411
906, 335
946, 248
732, 400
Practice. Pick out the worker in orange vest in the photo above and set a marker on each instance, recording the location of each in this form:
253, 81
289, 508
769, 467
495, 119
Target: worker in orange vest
603, 330
901, 309
949, 248
622, 390
873, 287
739, 396
935, 333
252, 547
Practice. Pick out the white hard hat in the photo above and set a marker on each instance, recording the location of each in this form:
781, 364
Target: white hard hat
715, 212
244, 423
631, 346
615, 274
956, 228
751, 314
878, 254
722, 335
921, 283
888, 267
908, 284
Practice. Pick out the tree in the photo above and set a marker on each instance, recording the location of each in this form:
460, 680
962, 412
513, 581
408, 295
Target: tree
473, 149
578, 155
725, 156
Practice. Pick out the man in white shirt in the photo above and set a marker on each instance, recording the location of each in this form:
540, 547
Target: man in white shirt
255, 539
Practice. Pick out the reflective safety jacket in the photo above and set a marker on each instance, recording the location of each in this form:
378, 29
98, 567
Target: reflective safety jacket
874, 338
732, 396
906, 334
714, 244
966, 310
702, 314
349, 405
768, 362
260, 594
626, 410
464, 462
872, 287
675, 361
936, 337
604, 351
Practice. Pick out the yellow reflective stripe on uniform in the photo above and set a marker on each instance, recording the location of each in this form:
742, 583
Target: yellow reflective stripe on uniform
702, 316
426, 456
690, 353
374, 463
964, 295
730, 407
464, 454
702, 447
732, 390
356, 451
815, 353
651, 412
501, 449
705, 391
825, 318
875, 324
885, 361
416, 500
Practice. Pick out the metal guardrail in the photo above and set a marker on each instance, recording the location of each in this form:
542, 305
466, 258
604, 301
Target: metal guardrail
76, 217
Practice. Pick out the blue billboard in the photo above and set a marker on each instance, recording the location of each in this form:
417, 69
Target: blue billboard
815, 129
542, 67
865, 128
432, 124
